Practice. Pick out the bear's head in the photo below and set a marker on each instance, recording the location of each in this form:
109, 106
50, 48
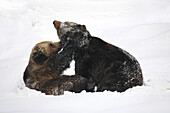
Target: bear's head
72, 31
43, 51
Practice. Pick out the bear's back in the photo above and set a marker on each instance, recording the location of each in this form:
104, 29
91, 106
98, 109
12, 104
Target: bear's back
104, 62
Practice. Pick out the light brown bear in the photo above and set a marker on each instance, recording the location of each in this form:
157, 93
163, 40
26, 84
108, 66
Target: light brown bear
44, 74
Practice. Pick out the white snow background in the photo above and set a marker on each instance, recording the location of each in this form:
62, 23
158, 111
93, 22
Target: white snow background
141, 27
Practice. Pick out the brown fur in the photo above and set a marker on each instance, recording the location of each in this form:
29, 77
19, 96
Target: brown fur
38, 72
42, 72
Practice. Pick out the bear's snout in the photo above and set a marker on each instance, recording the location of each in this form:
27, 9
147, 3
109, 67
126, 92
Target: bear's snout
56, 23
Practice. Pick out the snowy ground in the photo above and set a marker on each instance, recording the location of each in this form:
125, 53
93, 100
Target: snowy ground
141, 27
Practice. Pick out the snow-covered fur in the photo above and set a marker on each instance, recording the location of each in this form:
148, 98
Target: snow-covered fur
43, 74
105, 66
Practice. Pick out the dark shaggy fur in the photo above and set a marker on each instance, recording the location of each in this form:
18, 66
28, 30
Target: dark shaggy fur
43, 74
104, 65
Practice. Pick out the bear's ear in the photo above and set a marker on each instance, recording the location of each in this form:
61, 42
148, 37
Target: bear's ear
83, 27
39, 58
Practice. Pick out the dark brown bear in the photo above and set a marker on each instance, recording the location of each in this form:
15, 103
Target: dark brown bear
43, 74
105, 66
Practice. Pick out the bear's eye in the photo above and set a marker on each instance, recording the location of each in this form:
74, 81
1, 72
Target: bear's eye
51, 45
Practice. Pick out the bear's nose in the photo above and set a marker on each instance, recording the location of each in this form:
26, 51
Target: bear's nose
56, 23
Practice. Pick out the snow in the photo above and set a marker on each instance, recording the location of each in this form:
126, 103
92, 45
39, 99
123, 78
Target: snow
141, 27
70, 70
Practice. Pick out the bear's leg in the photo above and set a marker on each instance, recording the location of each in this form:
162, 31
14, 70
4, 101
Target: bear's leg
118, 82
64, 83
111, 87
78, 83
51, 87
63, 59
113, 82
90, 87
107, 86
